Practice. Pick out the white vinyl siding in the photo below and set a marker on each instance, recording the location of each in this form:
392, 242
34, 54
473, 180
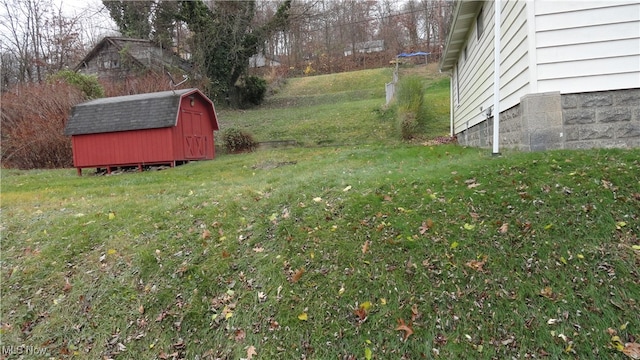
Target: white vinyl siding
587, 46
565, 46
514, 61
476, 74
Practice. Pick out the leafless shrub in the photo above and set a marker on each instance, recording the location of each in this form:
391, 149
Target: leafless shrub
33, 120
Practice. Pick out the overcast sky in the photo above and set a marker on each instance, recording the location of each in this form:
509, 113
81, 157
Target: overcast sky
97, 22
70, 7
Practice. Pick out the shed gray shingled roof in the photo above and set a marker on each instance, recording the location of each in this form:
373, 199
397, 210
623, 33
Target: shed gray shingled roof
124, 113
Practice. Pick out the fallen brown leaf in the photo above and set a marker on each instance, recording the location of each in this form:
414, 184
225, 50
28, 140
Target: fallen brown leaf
251, 351
477, 265
161, 316
365, 246
240, 335
361, 313
406, 328
163, 355
297, 275
440, 339
414, 312
548, 293
632, 350
473, 185
67, 285
426, 225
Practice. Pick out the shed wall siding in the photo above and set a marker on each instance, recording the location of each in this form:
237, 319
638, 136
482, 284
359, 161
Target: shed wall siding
207, 128
120, 148
585, 46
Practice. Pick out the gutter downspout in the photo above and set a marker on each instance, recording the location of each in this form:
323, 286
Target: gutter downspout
451, 104
496, 79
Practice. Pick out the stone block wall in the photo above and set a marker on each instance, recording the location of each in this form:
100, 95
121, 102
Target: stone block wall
602, 119
481, 135
571, 121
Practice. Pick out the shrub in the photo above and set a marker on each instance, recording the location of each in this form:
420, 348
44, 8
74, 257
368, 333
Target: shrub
409, 126
88, 84
276, 78
253, 90
235, 140
411, 108
33, 120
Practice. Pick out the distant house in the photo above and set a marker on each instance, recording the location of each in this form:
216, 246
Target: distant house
262, 60
568, 74
116, 57
365, 47
166, 127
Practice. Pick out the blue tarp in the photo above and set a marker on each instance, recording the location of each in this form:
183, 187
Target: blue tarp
419, 53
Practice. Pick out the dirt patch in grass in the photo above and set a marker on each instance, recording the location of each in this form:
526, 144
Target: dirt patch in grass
270, 164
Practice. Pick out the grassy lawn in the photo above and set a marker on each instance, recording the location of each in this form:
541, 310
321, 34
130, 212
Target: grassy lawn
375, 250
340, 109
286, 251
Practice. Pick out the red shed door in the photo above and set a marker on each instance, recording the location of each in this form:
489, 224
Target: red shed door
193, 137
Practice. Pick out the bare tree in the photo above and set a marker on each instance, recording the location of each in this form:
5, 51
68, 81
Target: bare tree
35, 16
8, 68
439, 16
63, 46
16, 38
389, 27
37, 40
410, 22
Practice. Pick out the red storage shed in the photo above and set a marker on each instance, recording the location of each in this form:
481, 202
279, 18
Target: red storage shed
136, 130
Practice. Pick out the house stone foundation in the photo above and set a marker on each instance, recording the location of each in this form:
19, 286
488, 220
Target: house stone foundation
548, 121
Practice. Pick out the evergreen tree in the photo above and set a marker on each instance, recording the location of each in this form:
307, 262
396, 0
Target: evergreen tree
225, 37
131, 17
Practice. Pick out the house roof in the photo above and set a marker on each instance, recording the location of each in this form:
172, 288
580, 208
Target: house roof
121, 43
132, 112
464, 17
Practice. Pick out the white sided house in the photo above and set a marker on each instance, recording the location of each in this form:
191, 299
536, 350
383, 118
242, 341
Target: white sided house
568, 74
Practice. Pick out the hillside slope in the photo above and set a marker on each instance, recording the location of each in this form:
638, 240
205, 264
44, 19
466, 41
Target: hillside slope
373, 250
402, 251
338, 109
